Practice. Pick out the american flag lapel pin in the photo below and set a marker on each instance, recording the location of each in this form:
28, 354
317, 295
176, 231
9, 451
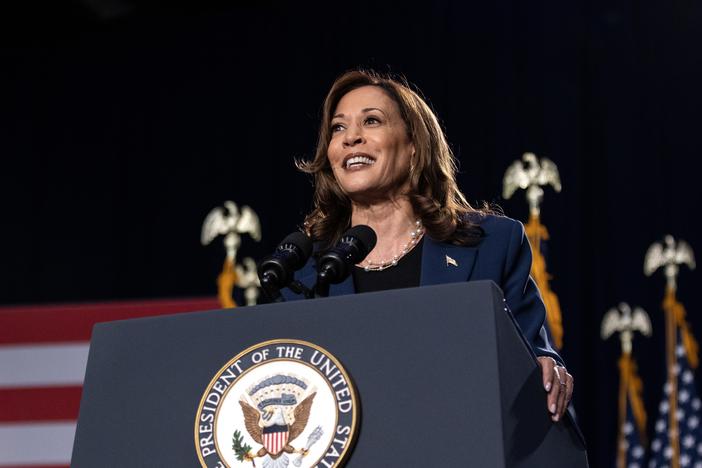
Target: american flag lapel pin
451, 261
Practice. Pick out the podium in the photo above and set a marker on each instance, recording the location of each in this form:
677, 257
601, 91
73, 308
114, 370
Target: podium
442, 374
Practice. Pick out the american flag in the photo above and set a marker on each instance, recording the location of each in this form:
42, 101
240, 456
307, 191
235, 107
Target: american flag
632, 442
632, 432
688, 419
43, 353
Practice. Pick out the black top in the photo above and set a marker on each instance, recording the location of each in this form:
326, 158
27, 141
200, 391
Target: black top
405, 274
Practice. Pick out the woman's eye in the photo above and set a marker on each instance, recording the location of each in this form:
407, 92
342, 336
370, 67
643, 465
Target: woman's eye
372, 120
336, 128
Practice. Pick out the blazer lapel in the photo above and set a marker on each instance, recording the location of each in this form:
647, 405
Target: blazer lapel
446, 263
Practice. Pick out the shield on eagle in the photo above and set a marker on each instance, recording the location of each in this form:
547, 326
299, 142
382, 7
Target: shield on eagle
275, 438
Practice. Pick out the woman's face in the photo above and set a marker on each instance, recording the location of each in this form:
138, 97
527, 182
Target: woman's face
370, 150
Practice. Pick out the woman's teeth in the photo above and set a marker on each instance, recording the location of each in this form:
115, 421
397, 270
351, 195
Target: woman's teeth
356, 160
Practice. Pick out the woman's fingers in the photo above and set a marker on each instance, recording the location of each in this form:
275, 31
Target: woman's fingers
556, 395
547, 366
559, 385
568, 390
566, 384
551, 383
562, 402
570, 386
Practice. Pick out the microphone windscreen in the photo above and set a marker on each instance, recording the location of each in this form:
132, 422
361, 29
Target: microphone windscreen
365, 235
301, 241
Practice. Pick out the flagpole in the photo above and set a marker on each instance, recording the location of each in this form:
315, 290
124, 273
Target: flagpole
623, 386
671, 345
669, 255
622, 321
531, 173
536, 232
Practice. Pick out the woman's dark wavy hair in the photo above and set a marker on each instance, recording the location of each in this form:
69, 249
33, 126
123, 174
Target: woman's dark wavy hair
434, 193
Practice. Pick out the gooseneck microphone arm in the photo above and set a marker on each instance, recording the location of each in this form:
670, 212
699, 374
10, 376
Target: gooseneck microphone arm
321, 288
268, 284
335, 265
277, 271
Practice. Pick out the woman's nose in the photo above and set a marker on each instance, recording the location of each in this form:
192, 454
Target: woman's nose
353, 135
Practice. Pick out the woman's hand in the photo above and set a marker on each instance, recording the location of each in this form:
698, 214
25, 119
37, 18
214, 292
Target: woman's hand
559, 385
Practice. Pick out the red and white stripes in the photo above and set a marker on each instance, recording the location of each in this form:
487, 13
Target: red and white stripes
43, 353
275, 441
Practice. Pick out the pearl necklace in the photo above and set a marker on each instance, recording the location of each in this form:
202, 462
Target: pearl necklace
415, 236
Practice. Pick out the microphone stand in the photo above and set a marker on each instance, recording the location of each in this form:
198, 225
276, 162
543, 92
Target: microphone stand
321, 289
298, 288
269, 287
273, 292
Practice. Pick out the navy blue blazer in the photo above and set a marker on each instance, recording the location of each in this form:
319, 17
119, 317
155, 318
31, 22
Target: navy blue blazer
503, 256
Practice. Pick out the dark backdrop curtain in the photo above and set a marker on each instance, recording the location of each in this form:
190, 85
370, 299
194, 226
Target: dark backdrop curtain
120, 129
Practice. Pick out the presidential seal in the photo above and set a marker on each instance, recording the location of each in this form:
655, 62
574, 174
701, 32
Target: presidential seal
276, 404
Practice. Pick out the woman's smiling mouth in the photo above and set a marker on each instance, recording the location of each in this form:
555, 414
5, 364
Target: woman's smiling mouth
358, 161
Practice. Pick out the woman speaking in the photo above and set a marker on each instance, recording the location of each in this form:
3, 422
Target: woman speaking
382, 160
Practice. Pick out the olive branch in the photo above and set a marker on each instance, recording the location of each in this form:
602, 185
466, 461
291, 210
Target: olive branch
240, 449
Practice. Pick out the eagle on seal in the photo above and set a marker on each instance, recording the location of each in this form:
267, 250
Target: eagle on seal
270, 429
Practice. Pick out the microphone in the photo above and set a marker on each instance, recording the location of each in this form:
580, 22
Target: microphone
276, 271
335, 264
